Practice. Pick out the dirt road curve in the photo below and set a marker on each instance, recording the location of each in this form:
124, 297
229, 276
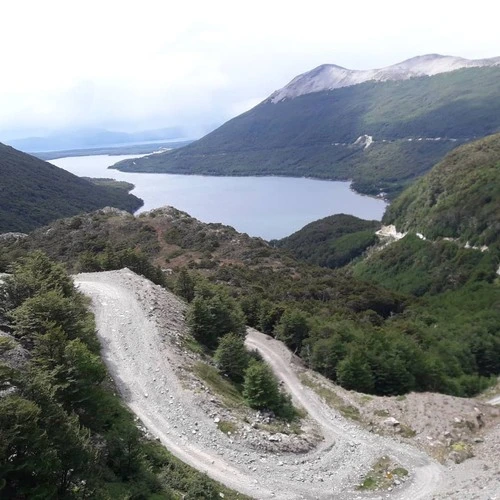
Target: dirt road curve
138, 348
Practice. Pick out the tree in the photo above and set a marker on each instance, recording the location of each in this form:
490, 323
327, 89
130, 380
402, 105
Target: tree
51, 309
250, 304
124, 449
27, 461
213, 314
269, 316
292, 329
354, 373
262, 392
260, 388
326, 354
82, 372
32, 275
232, 357
185, 285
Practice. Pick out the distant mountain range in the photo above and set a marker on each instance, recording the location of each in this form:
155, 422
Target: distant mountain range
91, 138
380, 128
34, 193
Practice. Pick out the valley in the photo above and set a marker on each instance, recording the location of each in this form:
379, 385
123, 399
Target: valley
141, 328
302, 304
313, 126
268, 207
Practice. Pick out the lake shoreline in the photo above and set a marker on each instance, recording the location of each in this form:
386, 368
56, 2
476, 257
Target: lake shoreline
266, 206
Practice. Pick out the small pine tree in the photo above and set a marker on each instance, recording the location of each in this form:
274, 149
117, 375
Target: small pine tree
213, 314
232, 357
260, 387
185, 285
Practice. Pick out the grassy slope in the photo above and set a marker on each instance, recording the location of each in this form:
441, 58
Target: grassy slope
459, 198
298, 137
34, 193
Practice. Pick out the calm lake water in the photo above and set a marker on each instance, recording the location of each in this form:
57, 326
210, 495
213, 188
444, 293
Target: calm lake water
270, 207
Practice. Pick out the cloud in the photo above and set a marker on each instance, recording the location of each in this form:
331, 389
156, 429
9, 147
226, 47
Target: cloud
129, 65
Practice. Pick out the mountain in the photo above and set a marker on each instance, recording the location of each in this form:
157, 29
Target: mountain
331, 76
459, 198
91, 138
380, 128
34, 193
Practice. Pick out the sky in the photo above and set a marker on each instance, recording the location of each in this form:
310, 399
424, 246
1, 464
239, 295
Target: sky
132, 66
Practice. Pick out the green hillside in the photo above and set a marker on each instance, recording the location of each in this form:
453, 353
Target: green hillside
331, 242
65, 432
414, 315
34, 193
459, 198
314, 134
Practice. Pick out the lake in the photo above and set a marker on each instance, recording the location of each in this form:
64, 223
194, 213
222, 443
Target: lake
269, 207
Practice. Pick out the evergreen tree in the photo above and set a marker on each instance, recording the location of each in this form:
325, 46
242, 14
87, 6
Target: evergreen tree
232, 357
269, 316
292, 329
354, 372
260, 388
34, 274
213, 314
251, 306
185, 285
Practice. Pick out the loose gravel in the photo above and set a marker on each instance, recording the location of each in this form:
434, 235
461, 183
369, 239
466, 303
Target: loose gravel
141, 328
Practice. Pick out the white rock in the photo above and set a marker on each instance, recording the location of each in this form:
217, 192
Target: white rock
391, 422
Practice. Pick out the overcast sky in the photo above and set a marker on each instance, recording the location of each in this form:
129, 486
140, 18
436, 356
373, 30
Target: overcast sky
150, 64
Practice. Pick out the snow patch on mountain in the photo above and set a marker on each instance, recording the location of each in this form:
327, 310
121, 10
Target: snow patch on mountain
331, 76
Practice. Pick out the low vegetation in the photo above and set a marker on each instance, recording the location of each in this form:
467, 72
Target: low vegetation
331, 398
383, 475
230, 394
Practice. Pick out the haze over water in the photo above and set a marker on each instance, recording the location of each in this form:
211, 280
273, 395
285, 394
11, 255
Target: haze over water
269, 207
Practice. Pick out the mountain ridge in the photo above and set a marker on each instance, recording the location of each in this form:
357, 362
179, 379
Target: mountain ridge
86, 138
331, 76
313, 135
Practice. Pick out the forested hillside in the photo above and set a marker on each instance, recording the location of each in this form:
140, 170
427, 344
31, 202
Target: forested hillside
331, 242
414, 123
459, 198
429, 327
34, 193
64, 431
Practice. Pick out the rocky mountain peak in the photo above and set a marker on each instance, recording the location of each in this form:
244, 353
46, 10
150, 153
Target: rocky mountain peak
331, 76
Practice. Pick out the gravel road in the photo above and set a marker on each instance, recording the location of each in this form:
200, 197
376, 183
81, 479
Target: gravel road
494, 401
140, 326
